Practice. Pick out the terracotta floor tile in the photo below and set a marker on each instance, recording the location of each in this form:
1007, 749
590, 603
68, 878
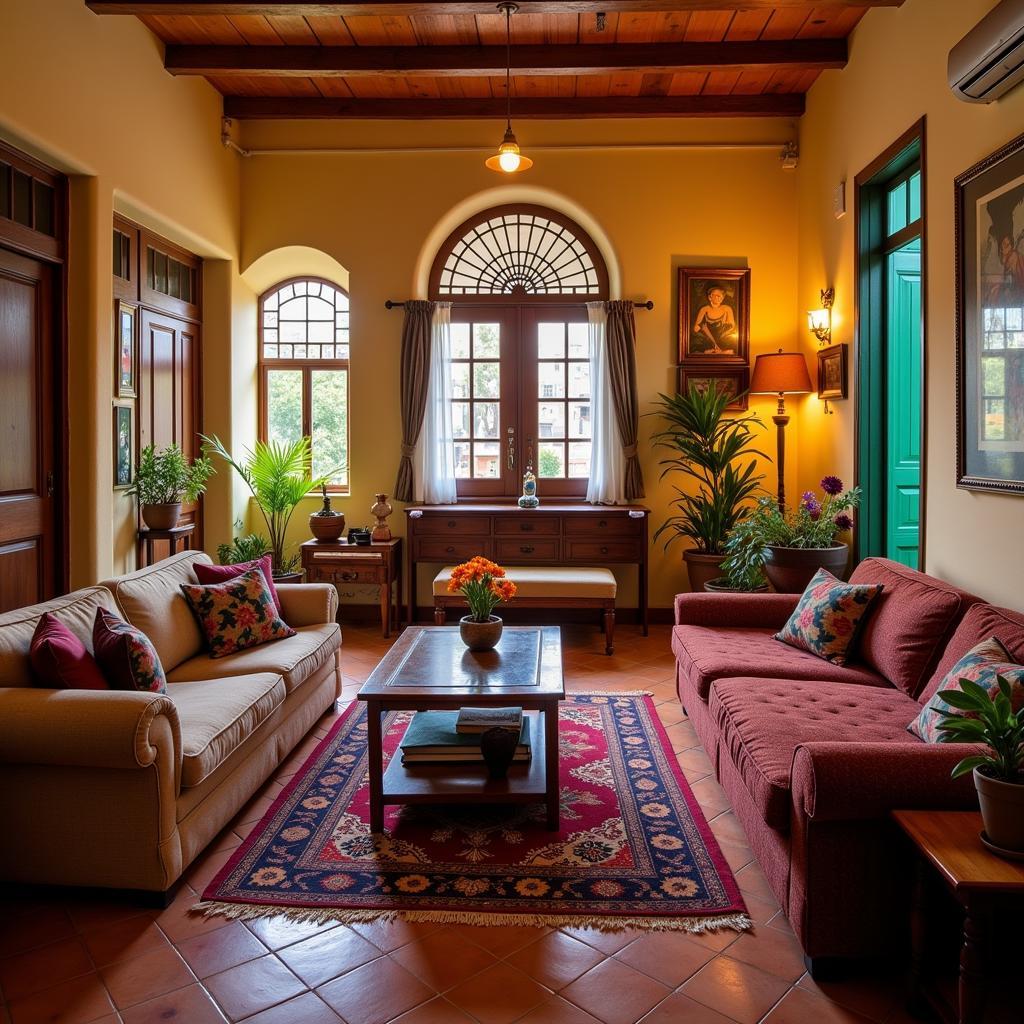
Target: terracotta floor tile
737, 855
185, 1006
735, 989
71, 1002
680, 1009
711, 796
146, 977
320, 958
773, 951
91, 913
716, 939
35, 926
443, 959
40, 968
437, 1011
253, 986
557, 1010
873, 994
668, 957
308, 1008
178, 922
216, 951
615, 993
799, 1006
374, 993
389, 935
499, 995
206, 867
726, 827
606, 942
758, 910
750, 878
124, 940
556, 959
280, 931
502, 942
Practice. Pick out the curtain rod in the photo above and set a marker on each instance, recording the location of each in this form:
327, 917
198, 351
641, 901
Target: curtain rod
391, 304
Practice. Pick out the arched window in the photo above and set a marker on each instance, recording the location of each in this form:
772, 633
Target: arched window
518, 278
303, 371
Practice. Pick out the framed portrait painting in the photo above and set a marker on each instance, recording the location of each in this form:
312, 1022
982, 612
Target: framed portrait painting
124, 435
832, 379
714, 315
733, 380
125, 319
990, 322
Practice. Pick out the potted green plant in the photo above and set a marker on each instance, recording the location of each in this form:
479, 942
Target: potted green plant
326, 524
247, 547
743, 566
279, 477
163, 480
708, 447
999, 773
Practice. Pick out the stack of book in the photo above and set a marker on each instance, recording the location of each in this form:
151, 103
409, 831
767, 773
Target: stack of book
448, 737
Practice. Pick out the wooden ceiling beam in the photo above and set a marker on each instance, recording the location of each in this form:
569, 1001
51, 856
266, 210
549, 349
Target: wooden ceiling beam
525, 108
476, 61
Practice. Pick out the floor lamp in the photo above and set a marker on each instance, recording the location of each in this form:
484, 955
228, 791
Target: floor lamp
781, 373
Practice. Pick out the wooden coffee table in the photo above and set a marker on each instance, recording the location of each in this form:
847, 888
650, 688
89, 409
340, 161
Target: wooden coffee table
429, 668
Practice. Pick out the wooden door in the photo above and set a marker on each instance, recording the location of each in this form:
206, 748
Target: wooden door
30, 569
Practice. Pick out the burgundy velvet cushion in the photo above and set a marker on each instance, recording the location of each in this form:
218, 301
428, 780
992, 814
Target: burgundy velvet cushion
126, 655
222, 573
910, 623
706, 654
763, 721
981, 622
59, 659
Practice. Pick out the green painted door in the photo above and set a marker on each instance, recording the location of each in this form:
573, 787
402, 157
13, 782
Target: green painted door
903, 404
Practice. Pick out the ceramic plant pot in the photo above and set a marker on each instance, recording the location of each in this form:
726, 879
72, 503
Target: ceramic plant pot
1002, 811
702, 568
722, 586
327, 528
480, 636
789, 570
161, 517
290, 577
498, 747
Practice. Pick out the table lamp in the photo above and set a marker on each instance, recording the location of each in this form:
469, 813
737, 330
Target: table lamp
781, 373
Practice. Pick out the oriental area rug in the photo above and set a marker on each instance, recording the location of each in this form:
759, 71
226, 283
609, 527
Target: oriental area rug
634, 849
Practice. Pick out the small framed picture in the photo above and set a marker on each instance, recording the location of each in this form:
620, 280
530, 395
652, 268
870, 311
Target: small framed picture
124, 445
125, 323
714, 315
733, 380
832, 379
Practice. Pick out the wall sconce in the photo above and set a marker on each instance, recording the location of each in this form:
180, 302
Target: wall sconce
819, 321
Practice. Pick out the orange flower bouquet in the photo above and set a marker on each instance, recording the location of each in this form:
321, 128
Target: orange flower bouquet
482, 583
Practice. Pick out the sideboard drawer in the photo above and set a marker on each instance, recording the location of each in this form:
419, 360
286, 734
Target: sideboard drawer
511, 550
597, 551
454, 549
602, 526
454, 525
526, 524
345, 574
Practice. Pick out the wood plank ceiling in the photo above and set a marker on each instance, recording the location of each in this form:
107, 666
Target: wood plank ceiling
447, 59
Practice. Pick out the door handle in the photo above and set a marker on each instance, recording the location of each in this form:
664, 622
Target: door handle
49, 484
526, 549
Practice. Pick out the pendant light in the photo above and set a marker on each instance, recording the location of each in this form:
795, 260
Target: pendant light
508, 159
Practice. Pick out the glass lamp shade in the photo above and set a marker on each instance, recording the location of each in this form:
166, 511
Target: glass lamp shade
780, 373
508, 159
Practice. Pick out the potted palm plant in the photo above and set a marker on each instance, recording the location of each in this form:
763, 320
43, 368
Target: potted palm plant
244, 547
163, 480
708, 447
279, 476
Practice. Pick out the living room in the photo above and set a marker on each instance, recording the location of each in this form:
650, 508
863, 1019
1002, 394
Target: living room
792, 219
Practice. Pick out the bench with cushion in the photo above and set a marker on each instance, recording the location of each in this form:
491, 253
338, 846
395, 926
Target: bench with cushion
546, 587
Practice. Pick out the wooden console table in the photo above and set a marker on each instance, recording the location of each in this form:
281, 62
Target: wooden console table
595, 535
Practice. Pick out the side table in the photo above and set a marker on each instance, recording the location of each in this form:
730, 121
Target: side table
181, 533
341, 563
979, 881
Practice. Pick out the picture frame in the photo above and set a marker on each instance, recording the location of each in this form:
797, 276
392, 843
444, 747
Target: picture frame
735, 379
989, 251
833, 379
124, 446
714, 315
126, 360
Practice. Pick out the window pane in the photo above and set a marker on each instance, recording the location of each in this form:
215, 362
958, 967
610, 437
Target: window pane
486, 378
460, 380
329, 416
460, 341
994, 375
551, 419
579, 341
550, 341
284, 406
551, 380
579, 458
550, 459
293, 332
897, 208
485, 341
485, 419
460, 419
321, 333
914, 198
293, 309
995, 419
579, 419
320, 310
486, 459
579, 380
462, 460
269, 318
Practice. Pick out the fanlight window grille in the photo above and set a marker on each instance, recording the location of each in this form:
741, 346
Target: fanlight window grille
305, 320
519, 252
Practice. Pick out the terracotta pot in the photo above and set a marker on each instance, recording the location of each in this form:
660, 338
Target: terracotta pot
161, 517
480, 636
721, 586
702, 568
498, 747
1002, 811
789, 570
290, 577
327, 528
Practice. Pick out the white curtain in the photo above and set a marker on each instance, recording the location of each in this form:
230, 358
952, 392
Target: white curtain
435, 455
608, 464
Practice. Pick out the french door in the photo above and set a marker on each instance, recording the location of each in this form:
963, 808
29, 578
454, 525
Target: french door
521, 397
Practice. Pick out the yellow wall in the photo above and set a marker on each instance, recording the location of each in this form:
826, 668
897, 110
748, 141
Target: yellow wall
896, 75
660, 210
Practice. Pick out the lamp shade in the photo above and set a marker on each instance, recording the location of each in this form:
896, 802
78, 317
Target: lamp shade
780, 373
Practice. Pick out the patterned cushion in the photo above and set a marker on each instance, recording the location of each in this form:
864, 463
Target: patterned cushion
222, 573
59, 659
827, 619
983, 665
126, 655
237, 614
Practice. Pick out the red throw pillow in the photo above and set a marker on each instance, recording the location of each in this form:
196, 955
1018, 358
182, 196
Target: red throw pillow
222, 573
59, 659
126, 655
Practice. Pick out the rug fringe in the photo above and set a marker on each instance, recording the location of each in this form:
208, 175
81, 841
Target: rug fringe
318, 915
612, 693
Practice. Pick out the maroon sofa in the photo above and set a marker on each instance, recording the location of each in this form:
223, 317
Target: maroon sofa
814, 756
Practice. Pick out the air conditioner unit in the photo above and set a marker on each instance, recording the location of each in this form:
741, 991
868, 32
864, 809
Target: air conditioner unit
989, 61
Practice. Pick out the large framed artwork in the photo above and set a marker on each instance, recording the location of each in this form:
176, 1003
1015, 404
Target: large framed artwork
990, 322
732, 380
124, 456
127, 350
714, 315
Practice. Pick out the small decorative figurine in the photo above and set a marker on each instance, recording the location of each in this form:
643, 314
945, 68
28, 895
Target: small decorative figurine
529, 498
381, 509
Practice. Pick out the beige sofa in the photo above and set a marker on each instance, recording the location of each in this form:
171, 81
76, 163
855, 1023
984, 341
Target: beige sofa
124, 789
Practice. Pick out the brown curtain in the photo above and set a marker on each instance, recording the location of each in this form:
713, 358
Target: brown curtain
415, 374
622, 375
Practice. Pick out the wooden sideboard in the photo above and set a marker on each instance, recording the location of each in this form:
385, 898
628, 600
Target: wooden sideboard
596, 535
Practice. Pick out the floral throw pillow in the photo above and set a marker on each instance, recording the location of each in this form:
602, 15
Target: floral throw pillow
237, 614
983, 665
126, 655
829, 616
